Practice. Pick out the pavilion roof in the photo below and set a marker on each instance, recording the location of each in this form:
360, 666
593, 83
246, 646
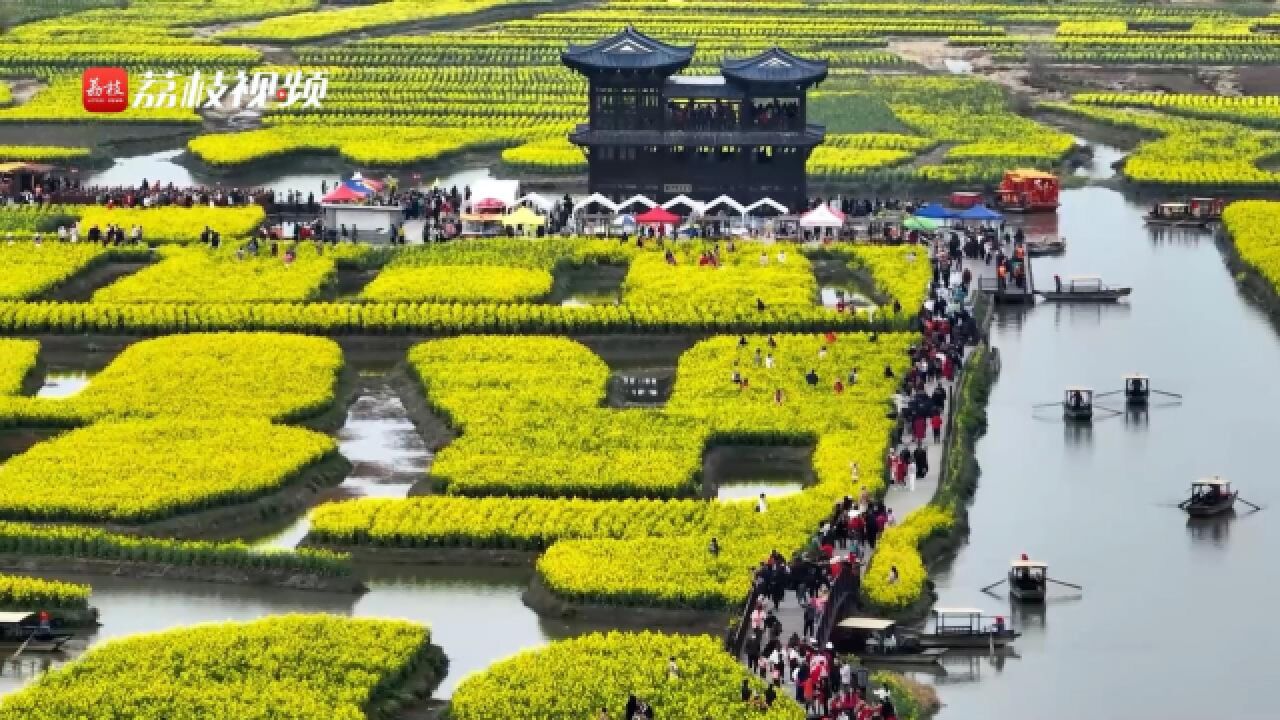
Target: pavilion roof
775, 65
629, 49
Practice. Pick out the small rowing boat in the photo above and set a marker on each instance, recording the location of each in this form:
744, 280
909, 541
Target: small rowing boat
966, 628
1028, 579
1083, 288
29, 632
1046, 246
877, 641
1210, 496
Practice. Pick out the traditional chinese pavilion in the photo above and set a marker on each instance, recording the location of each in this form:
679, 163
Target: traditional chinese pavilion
1028, 191
742, 133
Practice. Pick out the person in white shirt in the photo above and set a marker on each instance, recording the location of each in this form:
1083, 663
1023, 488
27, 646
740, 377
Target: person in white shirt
761, 505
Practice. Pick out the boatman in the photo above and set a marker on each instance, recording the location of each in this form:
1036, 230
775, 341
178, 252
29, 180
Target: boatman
1057, 283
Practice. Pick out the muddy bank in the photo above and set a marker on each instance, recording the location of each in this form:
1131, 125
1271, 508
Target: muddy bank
270, 577
435, 430
434, 555
1249, 282
543, 601
82, 286
411, 696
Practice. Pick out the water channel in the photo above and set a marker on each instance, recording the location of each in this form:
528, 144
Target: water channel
1173, 617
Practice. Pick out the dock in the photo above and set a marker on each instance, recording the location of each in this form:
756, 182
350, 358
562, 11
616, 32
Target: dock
1011, 294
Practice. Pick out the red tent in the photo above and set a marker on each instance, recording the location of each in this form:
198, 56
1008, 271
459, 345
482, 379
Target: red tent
488, 204
342, 193
657, 216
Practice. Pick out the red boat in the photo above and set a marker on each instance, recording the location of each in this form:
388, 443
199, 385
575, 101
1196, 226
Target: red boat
965, 200
1028, 191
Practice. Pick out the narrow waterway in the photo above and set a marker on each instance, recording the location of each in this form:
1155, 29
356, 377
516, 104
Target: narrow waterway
1174, 617
475, 613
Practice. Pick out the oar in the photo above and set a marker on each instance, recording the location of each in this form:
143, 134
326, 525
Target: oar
1183, 505
1162, 392
988, 588
1049, 404
1107, 409
1246, 502
1070, 585
1113, 392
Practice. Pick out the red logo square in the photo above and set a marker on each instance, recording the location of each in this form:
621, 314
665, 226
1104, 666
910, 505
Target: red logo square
105, 89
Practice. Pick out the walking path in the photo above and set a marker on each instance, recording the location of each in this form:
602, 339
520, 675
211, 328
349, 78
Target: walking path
902, 500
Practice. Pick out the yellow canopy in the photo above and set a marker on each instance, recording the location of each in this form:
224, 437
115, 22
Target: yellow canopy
523, 216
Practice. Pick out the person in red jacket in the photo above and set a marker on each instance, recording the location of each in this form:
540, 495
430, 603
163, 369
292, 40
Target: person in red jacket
935, 422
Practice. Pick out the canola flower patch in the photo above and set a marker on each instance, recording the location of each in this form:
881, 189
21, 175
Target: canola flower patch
316, 25
25, 593
459, 283
216, 377
136, 471
385, 143
176, 224
291, 667
528, 410
200, 275
577, 677
27, 269
74, 541
898, 548
744, 277
1251, 225
1189, 152
17, 360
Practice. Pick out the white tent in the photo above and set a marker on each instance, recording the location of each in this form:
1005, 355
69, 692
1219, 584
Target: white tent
641, 199
505, 191
766, 202
725, 200
595, 198
685, 200
534, 198
822, 216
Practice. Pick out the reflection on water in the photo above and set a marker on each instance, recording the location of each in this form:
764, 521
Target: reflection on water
163, 167
475, 613
832, 296
386, 452
1211, 530
1098, 503
743, 489
585, 299
63, 383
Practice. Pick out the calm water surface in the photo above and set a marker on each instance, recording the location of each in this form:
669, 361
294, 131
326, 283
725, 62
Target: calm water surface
475, 613
1173, 619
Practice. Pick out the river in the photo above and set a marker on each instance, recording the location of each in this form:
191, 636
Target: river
1172, 620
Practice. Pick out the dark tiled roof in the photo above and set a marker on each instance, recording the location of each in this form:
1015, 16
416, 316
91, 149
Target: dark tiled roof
775, 65
630, 50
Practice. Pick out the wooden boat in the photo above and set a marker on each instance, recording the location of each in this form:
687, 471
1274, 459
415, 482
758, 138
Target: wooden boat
23, 630
1210, 496
1137, 389
1046, 246
1084, 288
1077, 403
1027, 580
964, 628
878, 641
1198, 212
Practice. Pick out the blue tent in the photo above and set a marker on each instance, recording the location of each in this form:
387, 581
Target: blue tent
934, 210
980, 212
